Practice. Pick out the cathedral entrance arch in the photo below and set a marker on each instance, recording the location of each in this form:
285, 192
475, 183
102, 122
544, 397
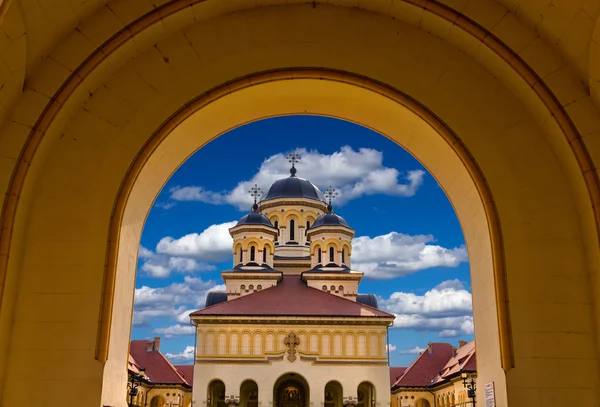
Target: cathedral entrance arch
291, 390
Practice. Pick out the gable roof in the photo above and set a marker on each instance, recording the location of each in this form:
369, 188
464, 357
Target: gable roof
158, 368
463, 360
292, 297
438, 363
395, 373
425, 368
187, 371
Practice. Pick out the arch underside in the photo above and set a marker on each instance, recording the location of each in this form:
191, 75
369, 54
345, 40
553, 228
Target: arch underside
103, 138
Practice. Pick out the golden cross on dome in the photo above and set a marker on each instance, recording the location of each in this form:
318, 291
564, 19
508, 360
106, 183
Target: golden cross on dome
330, 194
291, 341
255, 192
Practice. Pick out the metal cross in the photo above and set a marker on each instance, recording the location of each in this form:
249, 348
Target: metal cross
255, 192
293, 157
330, 193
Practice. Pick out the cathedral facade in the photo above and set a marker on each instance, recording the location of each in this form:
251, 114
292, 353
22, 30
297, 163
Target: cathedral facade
291, 329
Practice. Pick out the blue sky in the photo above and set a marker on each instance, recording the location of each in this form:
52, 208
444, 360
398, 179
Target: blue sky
408, 239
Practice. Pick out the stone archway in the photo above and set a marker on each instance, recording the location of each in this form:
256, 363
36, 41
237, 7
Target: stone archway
291, 390
78, 137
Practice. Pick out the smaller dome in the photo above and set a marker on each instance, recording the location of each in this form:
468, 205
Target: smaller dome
255, 218
329, 219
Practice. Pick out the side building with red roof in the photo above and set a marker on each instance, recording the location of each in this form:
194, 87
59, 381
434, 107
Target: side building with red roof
437, 378
291, 329
154, 381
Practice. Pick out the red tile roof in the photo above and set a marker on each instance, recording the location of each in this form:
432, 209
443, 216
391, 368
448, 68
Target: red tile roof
436, 364
291, 296
158, 368
426, 366
395, 373
187, 371
463, 360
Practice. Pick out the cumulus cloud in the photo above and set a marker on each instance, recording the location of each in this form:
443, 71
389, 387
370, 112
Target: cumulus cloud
211, 245
188, 254
185, 356
391, 347
446, 309
396, 254
174, 301
352, 173
414, 351
176, 330
161, 266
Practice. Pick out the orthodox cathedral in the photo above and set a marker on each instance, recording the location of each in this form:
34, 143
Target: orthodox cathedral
291, 329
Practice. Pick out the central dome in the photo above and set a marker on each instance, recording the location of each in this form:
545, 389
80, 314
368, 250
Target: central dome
294, 187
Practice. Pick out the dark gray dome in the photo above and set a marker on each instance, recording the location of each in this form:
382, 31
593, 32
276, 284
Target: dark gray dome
255, 218
294, 187
329, 219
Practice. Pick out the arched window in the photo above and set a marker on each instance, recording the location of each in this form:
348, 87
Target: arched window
319, 256
277, 226
265, 254
331, 254
241, 258
343, 255
307, 224
252, 253
292, 225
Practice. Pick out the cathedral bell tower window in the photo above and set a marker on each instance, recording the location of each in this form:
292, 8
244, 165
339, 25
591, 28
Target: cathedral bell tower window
319, 256
292, 234
252, 253
265, 255
331, 254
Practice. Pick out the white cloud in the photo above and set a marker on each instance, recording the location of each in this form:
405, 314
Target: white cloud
176, 330
391, 347
212, 245
352, 173
448, 299
414, 351
396, 254
448, 333
447, 325
174, 301
188, 254
446, 308
185, 356
196, 194
161, 266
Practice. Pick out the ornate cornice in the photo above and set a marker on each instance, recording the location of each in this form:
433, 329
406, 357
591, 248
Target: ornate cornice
268, 360
330, 229
241, 229
314, 275
316, 361
251, 275
274, 203
284, 320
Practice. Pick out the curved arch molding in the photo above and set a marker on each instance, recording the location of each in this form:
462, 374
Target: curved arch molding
469, 26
